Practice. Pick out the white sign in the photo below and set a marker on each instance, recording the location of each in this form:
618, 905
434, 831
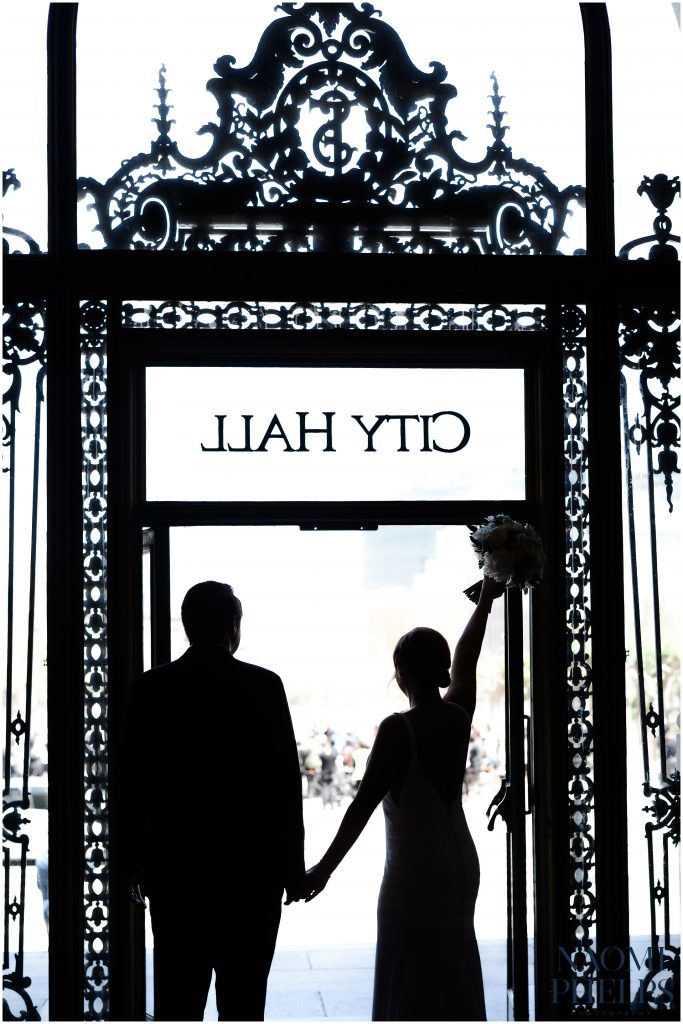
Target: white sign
334, 434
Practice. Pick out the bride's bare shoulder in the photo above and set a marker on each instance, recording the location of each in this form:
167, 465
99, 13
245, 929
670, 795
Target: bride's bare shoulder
393, 724
457, 711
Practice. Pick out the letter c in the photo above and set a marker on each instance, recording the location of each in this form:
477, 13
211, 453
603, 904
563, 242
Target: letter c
465, 432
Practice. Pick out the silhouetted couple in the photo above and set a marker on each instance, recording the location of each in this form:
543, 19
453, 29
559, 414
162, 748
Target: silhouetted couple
215, 861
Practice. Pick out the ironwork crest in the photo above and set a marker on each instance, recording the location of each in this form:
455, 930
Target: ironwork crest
330, 139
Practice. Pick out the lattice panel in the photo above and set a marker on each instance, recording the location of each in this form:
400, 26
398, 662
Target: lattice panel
307, 316
579, 672
93, 333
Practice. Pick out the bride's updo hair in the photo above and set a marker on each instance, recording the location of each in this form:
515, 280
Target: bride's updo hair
424, 656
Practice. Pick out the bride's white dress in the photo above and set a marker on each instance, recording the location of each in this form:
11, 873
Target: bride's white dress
427, 965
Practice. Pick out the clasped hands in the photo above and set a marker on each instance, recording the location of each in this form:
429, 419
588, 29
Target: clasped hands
313, 882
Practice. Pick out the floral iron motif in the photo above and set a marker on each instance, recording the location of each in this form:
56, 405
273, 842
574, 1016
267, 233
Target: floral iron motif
665, 806
27, 245
23, 344
330, 139
650, 343
661, 191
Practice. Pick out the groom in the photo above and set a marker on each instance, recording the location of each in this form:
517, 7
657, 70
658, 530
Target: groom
215, 848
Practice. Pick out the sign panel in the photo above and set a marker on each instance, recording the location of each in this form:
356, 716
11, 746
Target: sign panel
334, 434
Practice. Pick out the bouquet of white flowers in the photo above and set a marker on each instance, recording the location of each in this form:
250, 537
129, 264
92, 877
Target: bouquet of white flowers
508, 552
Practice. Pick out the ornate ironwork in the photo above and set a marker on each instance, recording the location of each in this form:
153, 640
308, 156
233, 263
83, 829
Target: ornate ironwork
665, 809
579, 671
24, 347
93, 331
661, 191
650, 361
650, 344
330, 138
27, 244
366, 316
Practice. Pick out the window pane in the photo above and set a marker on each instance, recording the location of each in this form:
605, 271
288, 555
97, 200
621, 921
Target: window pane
304, 434
23, 114
646, 61
430, 156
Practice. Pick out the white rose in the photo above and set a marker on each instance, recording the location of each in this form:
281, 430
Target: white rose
497, 536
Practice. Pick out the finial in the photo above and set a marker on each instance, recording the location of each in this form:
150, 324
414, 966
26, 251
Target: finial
498, 129
163, 145
9, 180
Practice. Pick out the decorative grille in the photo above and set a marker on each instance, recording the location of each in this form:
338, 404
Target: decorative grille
93, 333
331, 139
24, 361
650, 400
579, 672
259, 316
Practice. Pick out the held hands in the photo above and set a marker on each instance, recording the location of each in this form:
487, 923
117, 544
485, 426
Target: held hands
313, 883
316, 880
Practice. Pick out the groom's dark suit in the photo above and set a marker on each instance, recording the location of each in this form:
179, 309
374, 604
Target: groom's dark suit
217, 826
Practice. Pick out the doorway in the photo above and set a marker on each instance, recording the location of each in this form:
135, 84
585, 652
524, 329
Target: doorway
349, 594
349, 468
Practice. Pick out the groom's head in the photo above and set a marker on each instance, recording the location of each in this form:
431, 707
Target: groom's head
212, 614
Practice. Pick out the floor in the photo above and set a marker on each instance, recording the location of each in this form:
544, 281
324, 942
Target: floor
335, 983
324, 960
321, 983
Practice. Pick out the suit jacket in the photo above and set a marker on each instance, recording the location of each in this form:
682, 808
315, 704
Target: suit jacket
213, 773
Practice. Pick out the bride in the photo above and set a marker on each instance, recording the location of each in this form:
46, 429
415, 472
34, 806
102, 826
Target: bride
427, 963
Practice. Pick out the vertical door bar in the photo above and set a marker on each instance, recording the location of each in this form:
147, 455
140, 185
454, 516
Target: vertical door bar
160, 609
126, 933
65, 538
607, 600
518, 967
548, 641
160, 589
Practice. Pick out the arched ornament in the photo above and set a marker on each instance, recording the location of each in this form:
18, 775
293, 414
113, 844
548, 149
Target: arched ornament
330, 139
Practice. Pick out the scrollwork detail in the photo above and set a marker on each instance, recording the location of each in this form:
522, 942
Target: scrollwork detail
330, 110
665, 807
241, 316
27, 245
649, 339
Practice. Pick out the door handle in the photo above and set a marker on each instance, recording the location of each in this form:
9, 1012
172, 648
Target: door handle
501, 805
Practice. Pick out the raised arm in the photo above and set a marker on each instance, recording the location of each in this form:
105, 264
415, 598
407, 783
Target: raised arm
386, 766
463, 688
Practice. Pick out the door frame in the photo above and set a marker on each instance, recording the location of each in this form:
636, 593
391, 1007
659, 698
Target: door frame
539, 354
